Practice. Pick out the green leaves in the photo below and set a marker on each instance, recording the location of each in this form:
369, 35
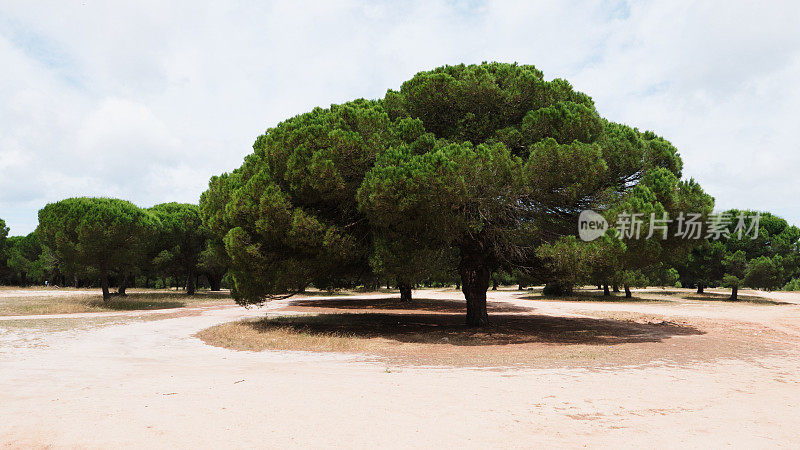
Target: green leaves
763, 273
487, 160
289, 216
564, 121
100, 234
180, 238
469, 103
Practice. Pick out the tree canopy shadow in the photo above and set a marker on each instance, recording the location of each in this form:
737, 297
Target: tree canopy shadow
394, 303
449, 329
591, 297
742, 298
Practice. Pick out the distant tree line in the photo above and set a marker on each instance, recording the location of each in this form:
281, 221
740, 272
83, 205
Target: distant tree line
104, 242
770, 261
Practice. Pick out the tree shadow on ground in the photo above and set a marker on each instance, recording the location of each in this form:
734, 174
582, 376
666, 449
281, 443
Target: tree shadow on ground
743, 298
394, 303
587, 297
449, 329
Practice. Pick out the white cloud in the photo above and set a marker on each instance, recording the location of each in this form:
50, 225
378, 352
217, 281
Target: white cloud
147, 100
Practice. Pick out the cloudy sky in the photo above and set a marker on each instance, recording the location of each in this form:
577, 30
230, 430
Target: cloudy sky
146, 100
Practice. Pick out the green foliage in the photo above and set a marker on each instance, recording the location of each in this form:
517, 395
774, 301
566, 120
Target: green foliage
633, 278
22, 256
792, 285
712, 264
564, 122
181, 239
662, 275
704, 265
775, 236
474, 103
468, 166
735, 265
98, 234
763, 273
4, 271
570, 262
659, 192
288, 217
445, 195
3, 234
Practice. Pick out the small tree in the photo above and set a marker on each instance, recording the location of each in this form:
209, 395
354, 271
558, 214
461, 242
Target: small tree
658, 195
570, 263
762, 273
182, 238
101, 234
4, 271
23, 254
735, 268
704, 265
214, 262
663, 275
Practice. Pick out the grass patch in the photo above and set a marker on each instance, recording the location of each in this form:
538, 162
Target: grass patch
649, 296
615, 297
41, 301
278, 334
742, 298
443, 339
58, 324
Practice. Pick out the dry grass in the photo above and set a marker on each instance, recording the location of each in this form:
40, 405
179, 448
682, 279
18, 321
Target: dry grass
15, 302
513, 340
278, 334
58, 324
431, 331
651, 296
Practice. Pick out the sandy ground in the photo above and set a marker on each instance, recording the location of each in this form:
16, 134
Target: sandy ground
152, 384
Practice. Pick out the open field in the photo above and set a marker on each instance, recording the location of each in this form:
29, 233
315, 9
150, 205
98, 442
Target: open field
666, 369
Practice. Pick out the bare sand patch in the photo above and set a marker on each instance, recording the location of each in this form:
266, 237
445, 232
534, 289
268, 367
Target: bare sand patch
152, 384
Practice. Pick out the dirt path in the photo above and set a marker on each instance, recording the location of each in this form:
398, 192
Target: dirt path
151, 384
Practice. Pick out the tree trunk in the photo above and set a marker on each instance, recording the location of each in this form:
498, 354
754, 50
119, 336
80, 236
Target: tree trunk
700, 288
405, 291
475, 276
214, 281
75, 281
627, 291
190, 283
599, 286
494, 284
104, 284
735, 293
123, 286
615, 288
605, 290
